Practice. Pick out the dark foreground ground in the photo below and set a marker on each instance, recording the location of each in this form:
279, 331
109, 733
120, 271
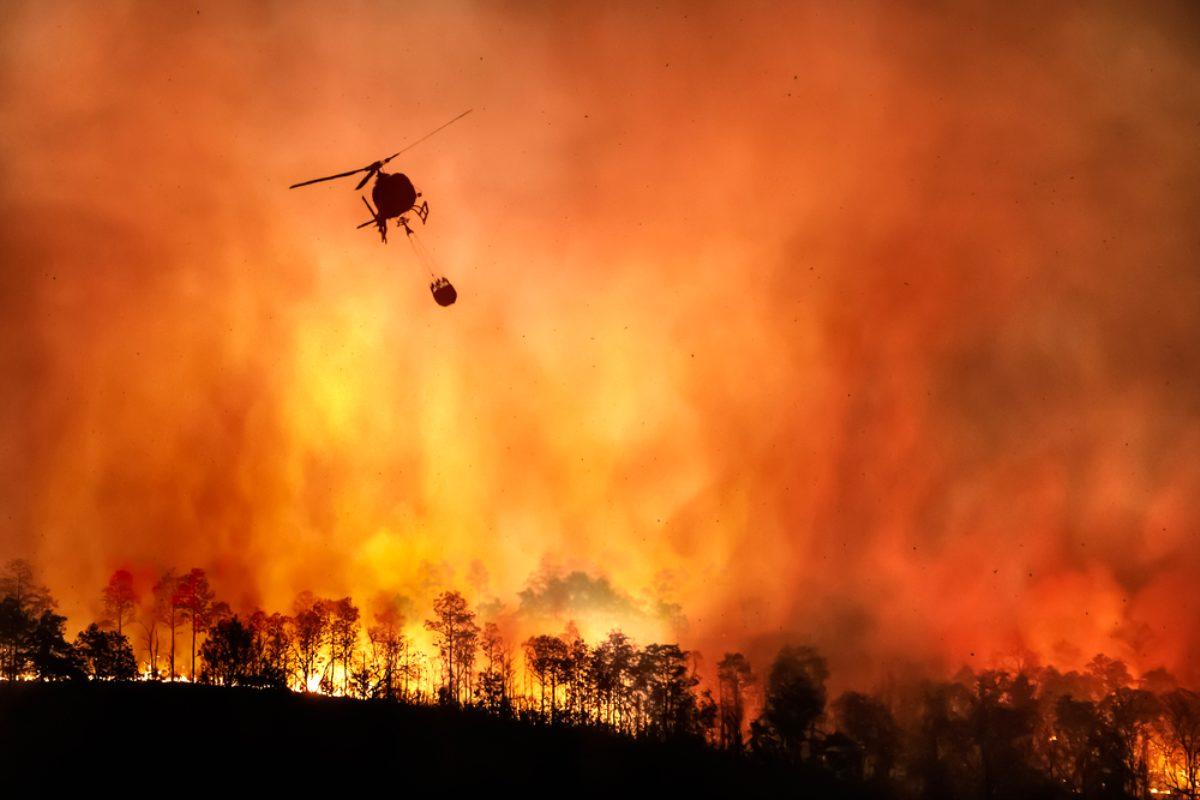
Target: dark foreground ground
230, 740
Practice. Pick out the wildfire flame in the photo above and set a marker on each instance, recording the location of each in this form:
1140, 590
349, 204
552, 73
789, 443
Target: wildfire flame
772, 325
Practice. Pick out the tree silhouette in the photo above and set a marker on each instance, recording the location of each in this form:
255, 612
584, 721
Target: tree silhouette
343, 637
1179, 734
148, 621
119, 599
1002, 720
310, 623
1072, 755
1129, 714
667, 685
456, 635
706, 715
734, 679
576, 674
942, 763
194, 597
106, 655
229, 654
15, 625
51, 656
31, 634
494, 685
870, 723
388, 646
273, 644
1108, 675
219, 611
613, 663
795, 697
546, 656
362, 678
166, 609
19, 582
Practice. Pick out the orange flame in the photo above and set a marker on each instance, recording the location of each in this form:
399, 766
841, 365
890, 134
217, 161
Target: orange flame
872, 327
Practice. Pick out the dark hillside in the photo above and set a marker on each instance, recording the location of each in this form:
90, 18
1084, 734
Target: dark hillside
280, 737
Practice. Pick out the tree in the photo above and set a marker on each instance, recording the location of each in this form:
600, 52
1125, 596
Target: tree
51, 656
106, 655
734, 678
415, 675
456, 635
194, 597
544, 657
1129, 715
388, 645
493, 687
343, 637
273, 644
941, 762
229, 654
119, 599
1108, 675
362, 679
19, 582
706, 714
165, 609
870, 723
1100, 749
15, 624
23, 601
309, 624
795, 696
576, 673
219, 611
1002, 721
667, 685
1179, 732
1073, 754
612, 673
31, 634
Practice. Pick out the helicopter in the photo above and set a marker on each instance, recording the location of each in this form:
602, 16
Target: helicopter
395, 197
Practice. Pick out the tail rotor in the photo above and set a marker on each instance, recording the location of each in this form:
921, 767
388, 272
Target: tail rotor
375, 219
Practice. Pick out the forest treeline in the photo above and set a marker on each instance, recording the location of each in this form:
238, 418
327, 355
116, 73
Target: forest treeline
1024, 731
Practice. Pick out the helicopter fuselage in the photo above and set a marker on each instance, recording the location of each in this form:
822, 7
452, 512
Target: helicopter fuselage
394, 194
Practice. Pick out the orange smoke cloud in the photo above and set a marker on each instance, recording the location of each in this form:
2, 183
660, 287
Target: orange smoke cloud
871, 325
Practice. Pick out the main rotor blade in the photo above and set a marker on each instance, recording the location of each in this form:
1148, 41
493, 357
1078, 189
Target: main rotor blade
371, 170
329, 177
426, 136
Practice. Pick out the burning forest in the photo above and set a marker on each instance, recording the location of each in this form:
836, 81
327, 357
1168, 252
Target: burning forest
1021, 729
812, 383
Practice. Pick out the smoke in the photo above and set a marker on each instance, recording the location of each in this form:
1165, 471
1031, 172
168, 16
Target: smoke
573, 593
869, 325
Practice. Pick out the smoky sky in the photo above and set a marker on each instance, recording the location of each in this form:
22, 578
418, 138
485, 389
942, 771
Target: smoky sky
871, 325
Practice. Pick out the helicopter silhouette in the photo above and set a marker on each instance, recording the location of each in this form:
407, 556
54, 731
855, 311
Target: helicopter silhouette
395, 197
393, 192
